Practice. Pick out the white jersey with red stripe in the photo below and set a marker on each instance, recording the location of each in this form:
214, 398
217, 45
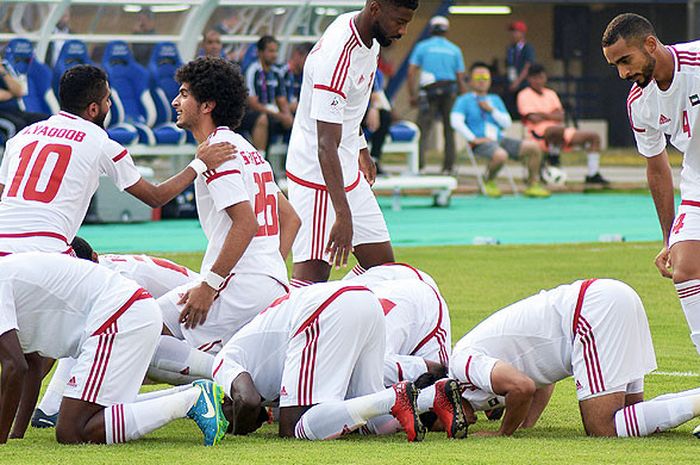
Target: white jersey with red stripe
157, 275
388, 272
337, 84
50, 171
674, 112
56, 301
247, 178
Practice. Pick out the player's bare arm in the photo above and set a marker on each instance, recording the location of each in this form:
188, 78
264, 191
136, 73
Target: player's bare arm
340, 239
14, 371
30, 394
413, 71
157, 195
289, 224
2, 188
198, 299
285, 114
660, 179
518, 390
368, 166
539, 403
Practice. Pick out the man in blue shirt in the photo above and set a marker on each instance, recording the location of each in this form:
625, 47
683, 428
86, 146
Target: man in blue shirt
481, 118
435, 74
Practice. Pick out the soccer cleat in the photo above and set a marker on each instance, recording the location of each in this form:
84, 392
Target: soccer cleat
448, 407
494, 414
406, 411
597, 179
536, 190
208, 412
42, 420
696, 432
491, 189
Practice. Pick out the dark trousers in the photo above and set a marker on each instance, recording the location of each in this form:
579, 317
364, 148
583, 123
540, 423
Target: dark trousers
430, 107
20, 119
379, 136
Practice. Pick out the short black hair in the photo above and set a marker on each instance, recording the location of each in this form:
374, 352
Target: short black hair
303, 48
80, 86
410, 4
629, 27
535, 69
214, 79
264, 41
82, 248
479, 64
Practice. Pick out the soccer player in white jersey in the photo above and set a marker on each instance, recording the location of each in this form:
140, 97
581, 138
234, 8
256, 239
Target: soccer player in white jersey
595, 330
328, 164
248, 222
51, 169
318, 353
388, 271
56, 306
665, 101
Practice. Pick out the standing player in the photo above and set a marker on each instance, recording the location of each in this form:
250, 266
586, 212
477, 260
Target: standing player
51, 169
246, 219
334, 200
665, 100
55, 306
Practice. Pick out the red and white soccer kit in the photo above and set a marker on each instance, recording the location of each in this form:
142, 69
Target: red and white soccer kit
157, 275
316, 344
595, 330
64, 307
50, 171
388, 272
260, 276
417, 328
336, 88
655, 114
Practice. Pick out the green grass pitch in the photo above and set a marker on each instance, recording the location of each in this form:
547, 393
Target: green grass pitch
475, 281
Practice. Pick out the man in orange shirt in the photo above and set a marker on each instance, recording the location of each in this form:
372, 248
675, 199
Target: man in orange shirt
543, 115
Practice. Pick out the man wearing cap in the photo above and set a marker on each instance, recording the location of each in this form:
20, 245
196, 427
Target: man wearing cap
435, 74
520, 55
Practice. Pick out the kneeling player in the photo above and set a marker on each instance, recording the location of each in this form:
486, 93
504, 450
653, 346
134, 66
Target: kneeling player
55, 306
595, 330
319, 352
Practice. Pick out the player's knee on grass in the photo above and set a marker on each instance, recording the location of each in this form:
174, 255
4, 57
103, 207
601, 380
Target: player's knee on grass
598, 414
80, 422
289, 417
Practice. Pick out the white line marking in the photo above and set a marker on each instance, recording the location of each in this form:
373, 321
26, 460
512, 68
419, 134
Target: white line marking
680, 374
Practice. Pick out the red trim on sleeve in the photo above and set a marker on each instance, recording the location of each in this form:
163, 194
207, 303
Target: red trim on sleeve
325, 304
321, 187
121, 155
690, 203
219, 174
140, 294
330, 89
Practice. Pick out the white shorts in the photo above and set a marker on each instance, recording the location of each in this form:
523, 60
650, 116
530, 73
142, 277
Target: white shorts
113, 361
244, 296
314, 207
612, 342
686, 226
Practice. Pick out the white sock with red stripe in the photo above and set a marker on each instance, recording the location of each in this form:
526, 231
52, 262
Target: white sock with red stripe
51, 401
676, 395
647, 418
689, 295
175, 362
426, 399
126, 422
330, 420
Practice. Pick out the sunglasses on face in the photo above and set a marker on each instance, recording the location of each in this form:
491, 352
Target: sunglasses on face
481, 77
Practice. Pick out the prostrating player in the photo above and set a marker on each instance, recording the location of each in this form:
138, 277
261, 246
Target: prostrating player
388, 271
595, 330
318, 352
665, 99
327, 188
156, 275
51, 169
52, 305
246, 219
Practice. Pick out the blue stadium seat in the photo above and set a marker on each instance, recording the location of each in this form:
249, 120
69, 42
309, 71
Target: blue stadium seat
165, 60
73, 52
401, 132
40, 97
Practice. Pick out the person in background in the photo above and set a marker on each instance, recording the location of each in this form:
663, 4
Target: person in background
520, 55
211, 44
12, 88
435, 75
293, 73
145, 25
55, 46
378, 119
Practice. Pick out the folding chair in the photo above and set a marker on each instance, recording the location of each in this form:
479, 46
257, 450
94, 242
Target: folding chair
479, 175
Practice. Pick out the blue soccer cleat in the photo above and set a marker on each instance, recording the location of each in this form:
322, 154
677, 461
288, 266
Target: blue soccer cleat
208, 413
42, 420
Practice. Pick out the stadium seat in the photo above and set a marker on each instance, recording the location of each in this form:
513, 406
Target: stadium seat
40, 97
165, 60
73, 52
403, 137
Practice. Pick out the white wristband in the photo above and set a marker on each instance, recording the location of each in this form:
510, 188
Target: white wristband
214, 281
198, 166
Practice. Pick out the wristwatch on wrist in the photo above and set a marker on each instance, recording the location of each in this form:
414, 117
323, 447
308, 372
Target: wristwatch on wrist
214, 281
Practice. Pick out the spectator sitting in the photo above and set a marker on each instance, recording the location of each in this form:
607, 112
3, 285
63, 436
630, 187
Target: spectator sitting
543, 116
378, 119
267, 112
145, 25
481, 117
12, 88
293, 73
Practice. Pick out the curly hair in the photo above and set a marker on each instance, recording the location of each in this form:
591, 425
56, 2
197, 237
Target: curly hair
629, 27
212, 79
80, 86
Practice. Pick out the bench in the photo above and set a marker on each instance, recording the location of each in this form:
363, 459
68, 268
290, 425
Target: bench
440, 187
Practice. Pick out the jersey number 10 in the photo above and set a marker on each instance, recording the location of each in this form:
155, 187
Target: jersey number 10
31, 191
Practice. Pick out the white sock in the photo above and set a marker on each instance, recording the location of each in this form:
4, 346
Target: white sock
689, 294
161, 392
333, 419
426, 398
126, 422
676, 395
381, 425
175, 362
51, 402
645, 418
593, 163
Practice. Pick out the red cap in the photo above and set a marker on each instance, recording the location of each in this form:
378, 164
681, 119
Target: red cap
518, 26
